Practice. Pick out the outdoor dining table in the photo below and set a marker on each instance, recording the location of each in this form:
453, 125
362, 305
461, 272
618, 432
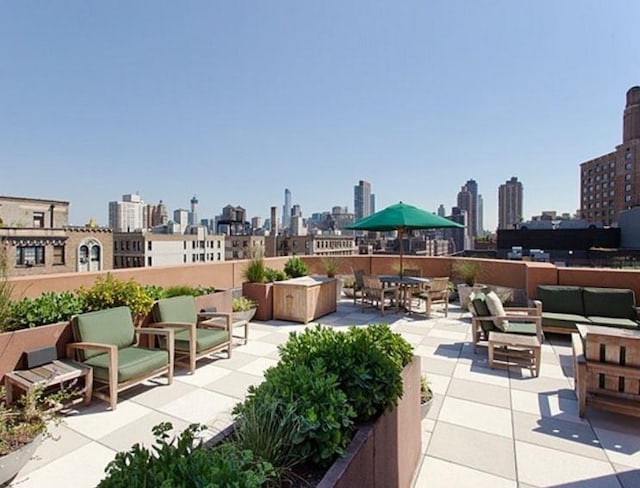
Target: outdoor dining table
406, 285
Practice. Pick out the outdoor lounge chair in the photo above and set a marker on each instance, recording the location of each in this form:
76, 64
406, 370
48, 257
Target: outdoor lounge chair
606, 367
196, 335
376, 295
108, 343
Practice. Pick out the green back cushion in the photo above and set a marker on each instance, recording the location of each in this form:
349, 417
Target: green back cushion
112, 326
479, 309
609, 302
561, 299
177, 309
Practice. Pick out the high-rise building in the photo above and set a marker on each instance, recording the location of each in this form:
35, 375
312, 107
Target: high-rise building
127, 215
286, 209
480, 215
181, 216
610, 184
509, 203
441, 211
467, 202
362, 199
472, 209
193, 215
160, 215
372, 205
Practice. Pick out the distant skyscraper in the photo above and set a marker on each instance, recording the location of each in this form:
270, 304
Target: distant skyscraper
296, 211
193, 215
372, 206
286, 209
441, 211
480, 219
509, 203
465, 203
181, 216
160, 215
127, 215
362, 200
610, 184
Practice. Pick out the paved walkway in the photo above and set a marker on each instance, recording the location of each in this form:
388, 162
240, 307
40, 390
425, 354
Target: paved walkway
486, 427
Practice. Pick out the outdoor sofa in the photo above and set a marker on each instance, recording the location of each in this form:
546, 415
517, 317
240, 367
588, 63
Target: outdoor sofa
565, 306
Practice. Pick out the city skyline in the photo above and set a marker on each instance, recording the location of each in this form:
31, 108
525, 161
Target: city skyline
234, 102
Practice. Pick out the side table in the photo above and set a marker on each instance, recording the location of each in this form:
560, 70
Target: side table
56, 372
514, 349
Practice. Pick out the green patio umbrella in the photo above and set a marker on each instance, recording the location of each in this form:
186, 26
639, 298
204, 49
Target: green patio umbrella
401, 217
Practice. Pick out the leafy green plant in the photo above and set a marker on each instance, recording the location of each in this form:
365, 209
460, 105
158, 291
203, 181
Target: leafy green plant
467, 270
255, 270
22, 422
272, 275
182, 290
154, 291
183, 462
109, 292
310, 397
271, 430
242, 304
295, 267
48, 308
6, 290
331, 265
367, 362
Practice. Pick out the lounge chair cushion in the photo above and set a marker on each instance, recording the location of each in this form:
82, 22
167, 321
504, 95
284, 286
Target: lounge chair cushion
496, 309
479, 309
112, 326
614, 322
565, 320
609, 302
133, 362
561, 299
176, 309
205, 339
526, 328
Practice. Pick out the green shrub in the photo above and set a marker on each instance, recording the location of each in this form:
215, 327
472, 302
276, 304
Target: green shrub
242, 304
154, 291
320, 416
48, 308
255, 270
295, 267
272, 275
367, 362
6, 290
109, 292
184, 463
182, 290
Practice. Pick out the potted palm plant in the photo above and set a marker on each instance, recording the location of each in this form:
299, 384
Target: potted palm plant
467, 270
256, 289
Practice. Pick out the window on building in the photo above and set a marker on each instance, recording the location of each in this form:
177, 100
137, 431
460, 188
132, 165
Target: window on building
58, 255
611, 193
218, 256
627, 187
184, 258
30, 255
597, 187
149, 247
149, 261
38, 219
627, 177
627, 166
612, 164
627, 198
219, 244
127, 245
627, 155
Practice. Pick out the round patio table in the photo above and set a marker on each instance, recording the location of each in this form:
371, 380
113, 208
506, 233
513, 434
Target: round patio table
405, 284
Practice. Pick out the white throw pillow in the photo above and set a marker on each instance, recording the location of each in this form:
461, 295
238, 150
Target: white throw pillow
495, 307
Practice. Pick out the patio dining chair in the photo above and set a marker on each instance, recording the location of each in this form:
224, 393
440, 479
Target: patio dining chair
358, 285
437, 291
377, 295
196, 335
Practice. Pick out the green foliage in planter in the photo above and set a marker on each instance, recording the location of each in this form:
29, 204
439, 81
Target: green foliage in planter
242, 304
181, 290
295, 267
22, 422
48, 308
466, 270
183, 462
156, 292
319, 414
255, 270
272, 275
331, 265
6, 289
271, 430
110, 292
367, 362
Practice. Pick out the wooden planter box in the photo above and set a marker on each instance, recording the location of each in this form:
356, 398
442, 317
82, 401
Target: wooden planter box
221, 299
262, 295
304, 299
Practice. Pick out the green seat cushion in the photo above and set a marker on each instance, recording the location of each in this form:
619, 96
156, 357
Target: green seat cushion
479, 309
176, 309
133, 362
609, 302
112, 326
528, 328
566, 320
614, 322
205, 339
561, 299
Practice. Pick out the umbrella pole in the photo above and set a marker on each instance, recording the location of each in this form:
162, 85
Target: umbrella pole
400, 232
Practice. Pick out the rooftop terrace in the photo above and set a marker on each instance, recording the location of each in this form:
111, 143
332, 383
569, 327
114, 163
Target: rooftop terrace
486, 427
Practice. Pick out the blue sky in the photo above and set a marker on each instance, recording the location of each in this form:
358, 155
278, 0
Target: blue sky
235, 100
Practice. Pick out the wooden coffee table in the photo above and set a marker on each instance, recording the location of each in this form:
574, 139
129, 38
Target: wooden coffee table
514, 350
54, 373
